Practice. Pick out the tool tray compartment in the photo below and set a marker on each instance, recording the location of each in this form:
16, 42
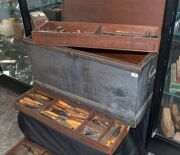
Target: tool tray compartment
69, 117
26, 147
98, 36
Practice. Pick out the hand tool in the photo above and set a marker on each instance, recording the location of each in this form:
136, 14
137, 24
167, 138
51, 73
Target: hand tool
101, 123
29, 104
31, 101
73, 124
114, 136
76, 112
40, 96
73, 109
30, 150
90, 133
69, 113
50, 114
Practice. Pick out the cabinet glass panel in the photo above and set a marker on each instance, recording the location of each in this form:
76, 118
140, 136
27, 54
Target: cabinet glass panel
169, 125
14, 59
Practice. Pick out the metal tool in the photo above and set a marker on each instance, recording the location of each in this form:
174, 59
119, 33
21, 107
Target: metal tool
73, 111
63, 120
90, 133
68, 113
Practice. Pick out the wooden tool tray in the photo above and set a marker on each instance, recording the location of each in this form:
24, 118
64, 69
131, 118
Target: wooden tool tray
26, 147
98, 36
73, 119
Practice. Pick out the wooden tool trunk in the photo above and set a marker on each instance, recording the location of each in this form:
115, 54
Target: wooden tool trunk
118, 84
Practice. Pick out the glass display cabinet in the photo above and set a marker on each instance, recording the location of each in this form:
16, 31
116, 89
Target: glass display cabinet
165, 112
14, 60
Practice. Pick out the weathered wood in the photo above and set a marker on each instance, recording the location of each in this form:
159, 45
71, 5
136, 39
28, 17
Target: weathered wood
76, 134
22, 147
117, 83
98, 36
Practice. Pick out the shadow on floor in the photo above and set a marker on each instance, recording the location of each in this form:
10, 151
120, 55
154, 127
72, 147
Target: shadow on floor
10, 134
160, 148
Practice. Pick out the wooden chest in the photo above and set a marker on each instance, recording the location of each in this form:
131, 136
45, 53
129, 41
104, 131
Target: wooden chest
118, 84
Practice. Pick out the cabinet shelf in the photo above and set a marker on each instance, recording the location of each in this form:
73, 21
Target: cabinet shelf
177, 95
177, 34
44, 6
167, 140
10, 41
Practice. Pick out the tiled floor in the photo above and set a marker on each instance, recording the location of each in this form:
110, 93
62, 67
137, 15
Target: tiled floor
10, 134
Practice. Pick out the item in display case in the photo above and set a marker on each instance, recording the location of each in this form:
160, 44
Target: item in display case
30, 102
178, 70
68, 123
177, 26
37, 18
26, 147
40, 96
73, 111
8, 3
113, 137
95, 35
177, 137
175, 77
83, 124
11, 28
175, 115
101, 121
92, 133
65, 114
167, 123
35, 100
